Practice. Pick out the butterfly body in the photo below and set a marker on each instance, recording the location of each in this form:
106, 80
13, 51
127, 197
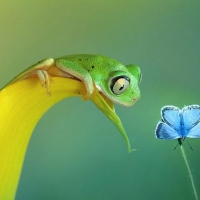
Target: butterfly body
178, 123
183, 131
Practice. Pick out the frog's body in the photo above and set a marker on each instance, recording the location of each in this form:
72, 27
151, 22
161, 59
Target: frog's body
116, 81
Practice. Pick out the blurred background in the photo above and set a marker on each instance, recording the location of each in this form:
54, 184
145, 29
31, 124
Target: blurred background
75, 152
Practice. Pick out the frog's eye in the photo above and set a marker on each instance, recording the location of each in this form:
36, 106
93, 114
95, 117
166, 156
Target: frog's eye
119, 84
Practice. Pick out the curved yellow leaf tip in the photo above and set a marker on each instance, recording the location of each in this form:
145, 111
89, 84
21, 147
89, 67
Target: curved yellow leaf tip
107, 107
22, 105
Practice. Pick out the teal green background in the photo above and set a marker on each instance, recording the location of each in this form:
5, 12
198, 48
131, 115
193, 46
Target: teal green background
75, 152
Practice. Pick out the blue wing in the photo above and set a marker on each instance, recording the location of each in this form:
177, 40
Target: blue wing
191, 119
194, 132
170, 115
165, 132
191, 116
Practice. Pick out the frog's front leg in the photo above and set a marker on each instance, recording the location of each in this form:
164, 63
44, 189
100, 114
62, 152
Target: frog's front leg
79, 72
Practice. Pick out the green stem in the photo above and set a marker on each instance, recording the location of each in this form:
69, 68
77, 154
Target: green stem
189, 171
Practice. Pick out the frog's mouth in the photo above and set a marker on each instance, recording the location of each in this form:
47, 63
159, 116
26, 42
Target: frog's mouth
127, 104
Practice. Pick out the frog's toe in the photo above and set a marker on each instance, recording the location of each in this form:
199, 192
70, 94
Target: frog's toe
45, 80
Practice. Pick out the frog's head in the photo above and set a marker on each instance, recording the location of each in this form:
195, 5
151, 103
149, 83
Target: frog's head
122, 86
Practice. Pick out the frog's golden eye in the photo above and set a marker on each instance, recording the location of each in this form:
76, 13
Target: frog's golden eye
119, 84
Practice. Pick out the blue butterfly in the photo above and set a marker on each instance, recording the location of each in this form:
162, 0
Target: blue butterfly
178, 124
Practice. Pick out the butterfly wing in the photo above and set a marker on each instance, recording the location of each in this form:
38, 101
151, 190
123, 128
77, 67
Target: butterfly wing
191, 119
169, 128
170, 115
194, 132
165, 132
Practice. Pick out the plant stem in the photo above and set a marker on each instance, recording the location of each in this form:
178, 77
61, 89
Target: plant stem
189, 171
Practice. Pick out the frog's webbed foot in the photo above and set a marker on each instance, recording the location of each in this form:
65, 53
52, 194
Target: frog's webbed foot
45, 80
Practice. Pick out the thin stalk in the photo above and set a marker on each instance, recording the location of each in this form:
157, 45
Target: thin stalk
189, 171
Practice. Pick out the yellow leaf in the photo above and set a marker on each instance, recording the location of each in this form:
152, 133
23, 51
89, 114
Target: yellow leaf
22, 105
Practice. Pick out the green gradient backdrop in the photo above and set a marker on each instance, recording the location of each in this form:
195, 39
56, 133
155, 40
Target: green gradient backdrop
75, 152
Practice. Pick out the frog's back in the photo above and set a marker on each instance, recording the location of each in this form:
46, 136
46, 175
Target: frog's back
92, 62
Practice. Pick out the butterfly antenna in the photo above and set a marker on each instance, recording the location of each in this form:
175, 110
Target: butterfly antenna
176, 146
179, 142
189, 145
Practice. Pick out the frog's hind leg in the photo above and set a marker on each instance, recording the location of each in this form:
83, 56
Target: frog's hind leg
45, 79
39, 70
